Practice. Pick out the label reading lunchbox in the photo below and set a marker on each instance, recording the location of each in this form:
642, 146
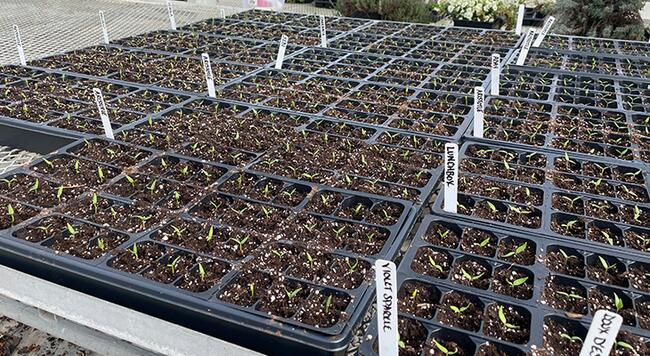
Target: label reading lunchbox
450, 203
103, 113
281, 51
209, 77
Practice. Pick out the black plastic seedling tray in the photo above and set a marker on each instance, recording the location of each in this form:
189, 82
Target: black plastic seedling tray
555, 126
438, 236
606, 46
220, 318
587, 63
542, 186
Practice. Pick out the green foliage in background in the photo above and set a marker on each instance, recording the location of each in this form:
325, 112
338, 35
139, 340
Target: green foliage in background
392, 10
600, 18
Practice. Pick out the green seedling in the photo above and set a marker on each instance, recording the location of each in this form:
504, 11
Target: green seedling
178, 231
608, 237
339, 231
59, 193
351, 266
35, 186
571, 338
433, 263
130, 180
517, 282
460, 310
134, 251
71, 229
328, 303
292, 294
251, 288
566, 256
569, 224
100, 174
469, 277
443, 234
310, 260
637, 213
485, 242
45, 229
519, 250
241, 243
625, 345
606, 265
201, 272
174, 264
143, 219
492, 207
569, 295
101, 244
414, 294
504, 321
94, 202
11, 213
445, 350
618, 303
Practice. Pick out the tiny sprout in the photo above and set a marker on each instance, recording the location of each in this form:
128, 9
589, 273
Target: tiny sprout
618, 303
504, 321
571, 338
210, 234
517, 282
520, 249
458, 310
100, 174
71, 229
351, 266
310, 260
134, 251
414, 294
469, 277
45, 229
606, 265
130, 180
59, 193
94, 202
35, 186
101, 244
435, 265
569, 295
293, 293
10, 212
143, 219
251, 287
241, 243
492, 207
625, 345
485, 242
443, 349
637, 213
328, 303
174, 264
177, 231
201, 272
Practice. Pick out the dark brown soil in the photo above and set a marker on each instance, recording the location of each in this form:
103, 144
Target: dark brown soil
419, 299
440, 235
599, 299
565, 296
517, 251
432, 262
472, 273
514, 282
458, 310
565, 261
559, 339
517, 329
607, 270
479, 242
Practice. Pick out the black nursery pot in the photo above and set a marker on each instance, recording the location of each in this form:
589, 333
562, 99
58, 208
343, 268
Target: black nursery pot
478, 24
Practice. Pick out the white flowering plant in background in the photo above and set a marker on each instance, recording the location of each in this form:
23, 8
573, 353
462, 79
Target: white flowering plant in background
472, 10
539, 4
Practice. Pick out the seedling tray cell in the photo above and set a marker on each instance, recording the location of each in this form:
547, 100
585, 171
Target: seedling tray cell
589, 202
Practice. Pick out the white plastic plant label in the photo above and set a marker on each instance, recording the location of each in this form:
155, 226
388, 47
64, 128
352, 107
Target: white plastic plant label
450, 203
281, 51
386, 283
19, 46
222, 13
602, 334
323, 32
479, 111
495, 74
209, 77
520, 19
528, 41
102, 22
103, 113
545, 29
170, 12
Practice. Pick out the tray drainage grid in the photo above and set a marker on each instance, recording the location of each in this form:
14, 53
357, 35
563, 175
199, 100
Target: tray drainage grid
11, 158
